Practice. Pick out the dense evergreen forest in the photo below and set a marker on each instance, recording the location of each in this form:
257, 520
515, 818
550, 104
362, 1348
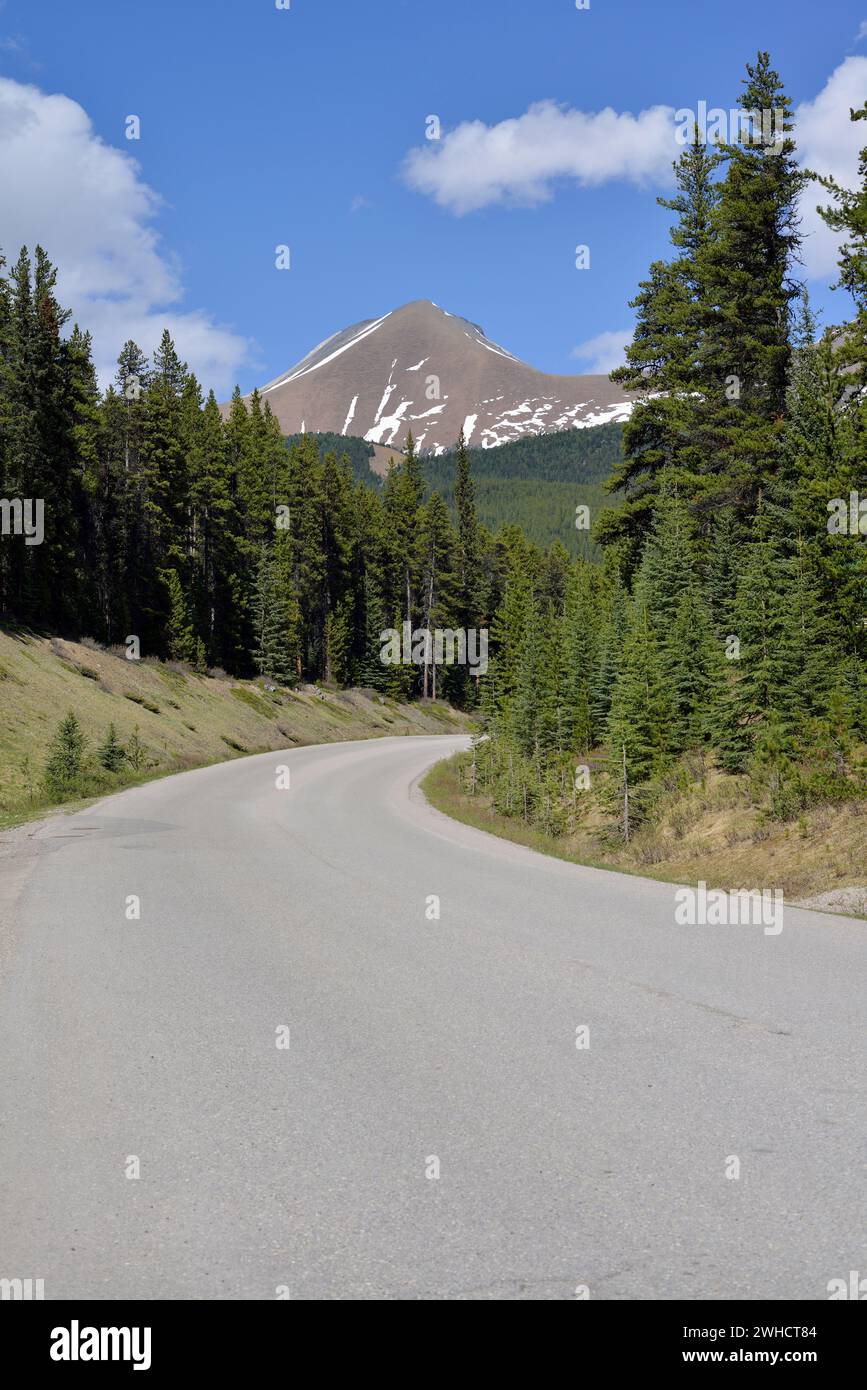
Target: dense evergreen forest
208, 539
357, 450
725, 618
538, 482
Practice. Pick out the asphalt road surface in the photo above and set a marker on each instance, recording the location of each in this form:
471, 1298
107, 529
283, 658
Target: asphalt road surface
431, 1130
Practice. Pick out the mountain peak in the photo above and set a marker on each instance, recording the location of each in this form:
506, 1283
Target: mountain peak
427, 306
421, 368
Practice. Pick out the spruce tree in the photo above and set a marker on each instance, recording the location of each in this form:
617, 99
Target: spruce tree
746, 273
723, 564
181, 640
696, 670
469, 598
275, 620
371, 670
111, 751
507, 639
65, 762
664, 360
579, 642
640, 718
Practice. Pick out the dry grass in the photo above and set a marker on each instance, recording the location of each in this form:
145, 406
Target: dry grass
184, 720
709, 831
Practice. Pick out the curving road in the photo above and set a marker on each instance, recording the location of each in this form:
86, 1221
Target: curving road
413, 1044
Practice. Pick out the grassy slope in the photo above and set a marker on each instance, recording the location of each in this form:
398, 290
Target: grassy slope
710, 833
185, 720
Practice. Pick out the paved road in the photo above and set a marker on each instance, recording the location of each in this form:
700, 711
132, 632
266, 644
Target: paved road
411, 1040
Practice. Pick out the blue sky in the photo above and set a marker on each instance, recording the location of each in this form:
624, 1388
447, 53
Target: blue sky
262, 127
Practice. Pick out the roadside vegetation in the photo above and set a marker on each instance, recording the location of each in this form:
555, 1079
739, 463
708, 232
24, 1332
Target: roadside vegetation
78, 720
698, 699
706, 825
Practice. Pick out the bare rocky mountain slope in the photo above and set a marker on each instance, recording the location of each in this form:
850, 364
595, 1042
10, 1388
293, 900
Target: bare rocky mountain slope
424, 369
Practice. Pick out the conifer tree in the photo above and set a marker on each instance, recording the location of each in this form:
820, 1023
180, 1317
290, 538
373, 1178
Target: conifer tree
667, 561
526, 707
579, 643
179, 630
696, 670
275, 619
640, 718
338, 639
746, 269
371, 670
439, 584
469, 598
404, 493
336, 545
507, 639
308, 562
759, 665
664, 360
111, 751
723, 565
65, 760
469, 604
609, 647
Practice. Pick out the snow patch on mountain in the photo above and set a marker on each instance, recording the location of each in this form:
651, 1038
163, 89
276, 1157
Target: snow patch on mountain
491, 392
349, 416
303, 370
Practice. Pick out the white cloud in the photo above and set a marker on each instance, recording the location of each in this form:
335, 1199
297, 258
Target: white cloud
88, 206
828, 143
519, 160
862, 31
603, 353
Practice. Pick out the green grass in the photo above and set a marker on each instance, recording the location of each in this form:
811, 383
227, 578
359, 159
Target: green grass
249, 697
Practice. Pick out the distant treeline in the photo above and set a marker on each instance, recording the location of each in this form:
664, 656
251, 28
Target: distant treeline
538, 482
357, 450
535, 483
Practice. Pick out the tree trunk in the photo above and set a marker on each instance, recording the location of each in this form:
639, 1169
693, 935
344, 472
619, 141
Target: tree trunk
625, 798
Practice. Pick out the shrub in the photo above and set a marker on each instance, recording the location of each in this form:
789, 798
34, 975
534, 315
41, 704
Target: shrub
135, 752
